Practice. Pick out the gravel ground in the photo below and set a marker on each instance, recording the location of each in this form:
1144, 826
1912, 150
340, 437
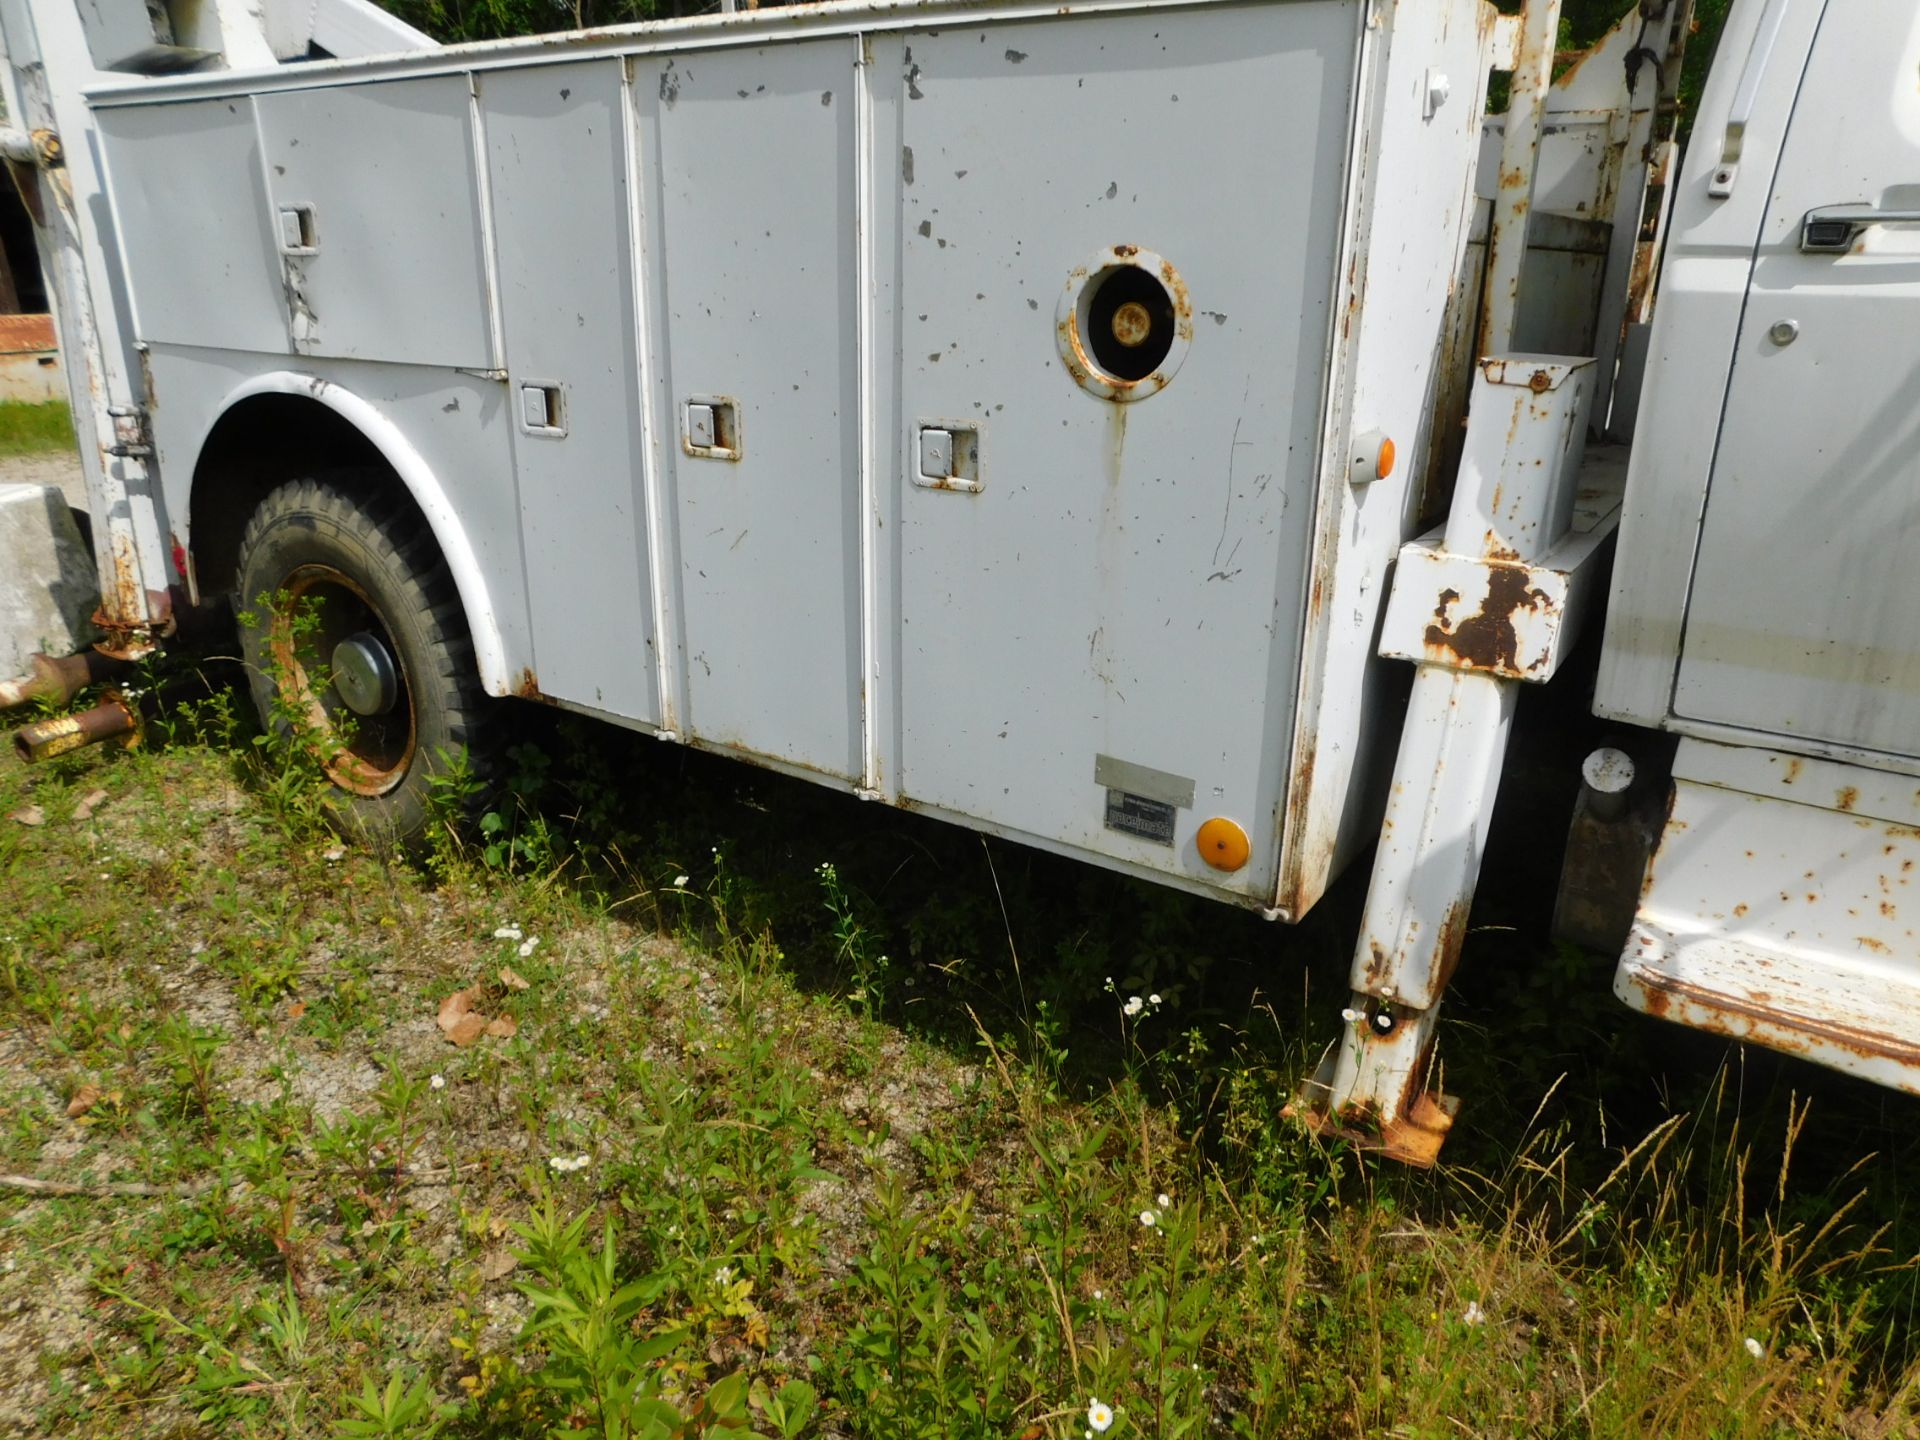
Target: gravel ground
56, 467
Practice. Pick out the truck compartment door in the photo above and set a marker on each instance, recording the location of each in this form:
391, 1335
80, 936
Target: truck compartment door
753, 161
556, 155
1120, 593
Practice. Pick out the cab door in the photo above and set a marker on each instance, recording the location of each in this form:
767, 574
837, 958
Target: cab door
1804, 614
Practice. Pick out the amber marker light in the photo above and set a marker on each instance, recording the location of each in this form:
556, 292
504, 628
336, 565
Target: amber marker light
1223, 844
1372, 458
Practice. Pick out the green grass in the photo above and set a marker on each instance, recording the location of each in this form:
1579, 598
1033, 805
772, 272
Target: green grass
868, 1138
34, 429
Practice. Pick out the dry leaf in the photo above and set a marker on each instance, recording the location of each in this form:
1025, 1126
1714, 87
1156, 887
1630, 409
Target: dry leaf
30, 815
88, 804
511, 979
496, 1263
84, 1099
503, 1028
296, 1009
468, 1028
455, 1007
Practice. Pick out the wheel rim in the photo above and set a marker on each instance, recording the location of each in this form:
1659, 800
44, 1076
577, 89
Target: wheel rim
365, 751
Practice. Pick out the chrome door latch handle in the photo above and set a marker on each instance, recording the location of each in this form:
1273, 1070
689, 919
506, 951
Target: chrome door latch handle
1832, 229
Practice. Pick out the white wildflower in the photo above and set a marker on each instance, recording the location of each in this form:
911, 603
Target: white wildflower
508, 932
1352, 1016
1474, 1314
1134, 1005
1099, 1415
1165, 1200
1153, 999
1149, 1219
1755, 1348
1098, 1295
526, 946
723, 1274
438, 1082
680, 882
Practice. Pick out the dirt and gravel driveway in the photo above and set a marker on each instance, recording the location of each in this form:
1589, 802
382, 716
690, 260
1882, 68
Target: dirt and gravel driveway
56, 467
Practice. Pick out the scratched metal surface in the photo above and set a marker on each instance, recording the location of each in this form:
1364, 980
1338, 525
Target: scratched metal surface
1128, 574
398, 270
1780, 907
203, 273
566, 294
1131, 579
1801, 619
753, 157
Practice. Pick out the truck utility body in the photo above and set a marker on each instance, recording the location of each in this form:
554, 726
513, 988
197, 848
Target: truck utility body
675, 318
1068, 421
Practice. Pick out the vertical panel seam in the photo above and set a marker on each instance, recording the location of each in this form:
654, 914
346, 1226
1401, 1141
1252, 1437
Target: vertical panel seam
864, 361
665, 642
483, 192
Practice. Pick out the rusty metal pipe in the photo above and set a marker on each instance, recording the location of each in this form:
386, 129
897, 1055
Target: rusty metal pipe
47, 738
59, 680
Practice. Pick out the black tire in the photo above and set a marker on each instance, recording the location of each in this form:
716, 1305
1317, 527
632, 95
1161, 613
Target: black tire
353, 560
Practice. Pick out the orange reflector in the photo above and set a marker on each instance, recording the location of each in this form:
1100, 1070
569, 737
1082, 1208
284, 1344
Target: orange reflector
1385, 466
1223, 844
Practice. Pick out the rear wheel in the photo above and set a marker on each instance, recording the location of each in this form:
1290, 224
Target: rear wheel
358, 647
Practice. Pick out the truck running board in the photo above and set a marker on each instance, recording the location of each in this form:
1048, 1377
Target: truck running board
1782, 907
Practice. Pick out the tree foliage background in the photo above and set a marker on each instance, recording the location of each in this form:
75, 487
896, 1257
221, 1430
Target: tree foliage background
1582, 21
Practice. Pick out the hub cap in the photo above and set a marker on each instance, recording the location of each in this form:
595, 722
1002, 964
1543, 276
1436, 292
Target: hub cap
364, 674
338, 666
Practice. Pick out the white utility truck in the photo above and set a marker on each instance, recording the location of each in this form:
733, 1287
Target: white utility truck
1165, 432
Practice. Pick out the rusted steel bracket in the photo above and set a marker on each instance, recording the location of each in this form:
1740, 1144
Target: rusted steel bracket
1473, 639
1506, 618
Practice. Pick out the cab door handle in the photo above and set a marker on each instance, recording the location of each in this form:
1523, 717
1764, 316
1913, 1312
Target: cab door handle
1832, 229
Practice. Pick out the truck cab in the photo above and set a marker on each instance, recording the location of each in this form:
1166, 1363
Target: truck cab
1766, 590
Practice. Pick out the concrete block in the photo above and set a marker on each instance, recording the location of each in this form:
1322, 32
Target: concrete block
48, 586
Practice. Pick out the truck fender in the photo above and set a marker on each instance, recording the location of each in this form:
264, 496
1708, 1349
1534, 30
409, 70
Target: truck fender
488, 647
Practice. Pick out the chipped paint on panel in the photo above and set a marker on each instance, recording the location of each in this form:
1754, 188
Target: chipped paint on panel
1784, 917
